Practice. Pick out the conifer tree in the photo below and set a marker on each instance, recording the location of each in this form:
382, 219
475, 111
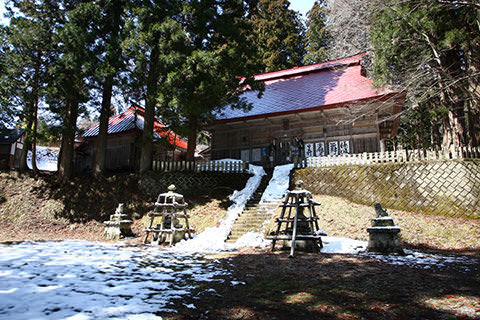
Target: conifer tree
425, 47
111, 24
26, 63
205, 55
318, 39
70, 86
149, 27
279, 34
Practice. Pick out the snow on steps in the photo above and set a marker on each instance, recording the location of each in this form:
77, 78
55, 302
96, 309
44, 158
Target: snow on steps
254, 214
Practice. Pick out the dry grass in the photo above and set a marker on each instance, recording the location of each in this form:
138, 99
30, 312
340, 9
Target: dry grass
39, 208
342, 218
203, 212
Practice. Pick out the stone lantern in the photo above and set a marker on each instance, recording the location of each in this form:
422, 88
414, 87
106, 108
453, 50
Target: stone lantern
383, 234
170, 207
119, 225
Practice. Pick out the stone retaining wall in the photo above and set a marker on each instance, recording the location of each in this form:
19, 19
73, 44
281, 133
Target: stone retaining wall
450, 187
153, 183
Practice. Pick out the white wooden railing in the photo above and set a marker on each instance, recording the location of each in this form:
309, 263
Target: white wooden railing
390, 156
226, 166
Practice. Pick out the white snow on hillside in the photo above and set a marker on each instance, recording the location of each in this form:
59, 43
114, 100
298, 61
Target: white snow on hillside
46, 159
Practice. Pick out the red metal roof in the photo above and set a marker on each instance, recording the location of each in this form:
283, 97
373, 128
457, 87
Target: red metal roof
310, 68
133, 118
325, 85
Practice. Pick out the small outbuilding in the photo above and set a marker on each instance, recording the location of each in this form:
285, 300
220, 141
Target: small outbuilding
11, 145
328, 108
124, 142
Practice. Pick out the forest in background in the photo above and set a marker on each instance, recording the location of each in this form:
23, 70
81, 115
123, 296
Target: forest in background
182, 60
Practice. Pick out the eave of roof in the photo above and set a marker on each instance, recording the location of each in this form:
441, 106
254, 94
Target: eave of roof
375, 99
131, 119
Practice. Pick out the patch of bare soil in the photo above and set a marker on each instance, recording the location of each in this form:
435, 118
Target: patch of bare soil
326, 286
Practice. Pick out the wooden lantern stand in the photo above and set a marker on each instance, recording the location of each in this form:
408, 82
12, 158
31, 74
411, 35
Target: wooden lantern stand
171, 207
293, 226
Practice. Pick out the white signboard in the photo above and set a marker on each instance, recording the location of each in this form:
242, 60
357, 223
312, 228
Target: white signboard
245, 155
309, 150
320, 149
256, 155
344, 147
333, 148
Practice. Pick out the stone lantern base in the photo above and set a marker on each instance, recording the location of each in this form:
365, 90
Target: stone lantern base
384, 236
119, 225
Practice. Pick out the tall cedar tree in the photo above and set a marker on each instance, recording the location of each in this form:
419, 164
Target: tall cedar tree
26, 66
6, 114
426, 47
148, 26
73, 70
318, 38
207, 51
279, 35
111, 25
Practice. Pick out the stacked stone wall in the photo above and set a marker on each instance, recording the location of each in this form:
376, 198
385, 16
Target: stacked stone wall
449, 188
188, 183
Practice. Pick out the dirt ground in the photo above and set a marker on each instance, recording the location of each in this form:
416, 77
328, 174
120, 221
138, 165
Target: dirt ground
332, 286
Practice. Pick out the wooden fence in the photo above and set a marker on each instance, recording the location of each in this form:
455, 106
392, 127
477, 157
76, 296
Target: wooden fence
230, 166
389, 157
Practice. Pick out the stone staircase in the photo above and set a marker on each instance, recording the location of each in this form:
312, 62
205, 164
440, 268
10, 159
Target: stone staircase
254, 214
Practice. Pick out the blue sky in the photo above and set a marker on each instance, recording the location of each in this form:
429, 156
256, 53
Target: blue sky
298, 5
2, 11
303, 6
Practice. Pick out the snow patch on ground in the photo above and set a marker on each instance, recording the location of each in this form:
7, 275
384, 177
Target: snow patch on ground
95, 280
427, 261
46, 159
412, 259
342, 245
279, 183
213, 238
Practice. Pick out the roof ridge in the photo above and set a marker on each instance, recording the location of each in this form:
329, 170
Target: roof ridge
354, 59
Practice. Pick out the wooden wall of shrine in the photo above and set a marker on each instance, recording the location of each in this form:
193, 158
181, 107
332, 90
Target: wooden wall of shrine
286, 138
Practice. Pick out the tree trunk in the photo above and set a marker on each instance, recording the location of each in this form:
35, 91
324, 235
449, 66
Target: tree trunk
454, 123
473, 91
192, 137
36, 97
99, 167
452, 67
65, 167
149, 117
111, 58
27, 142
34, 139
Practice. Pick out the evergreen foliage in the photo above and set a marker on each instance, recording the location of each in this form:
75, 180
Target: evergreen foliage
279, 34
318, 38
432, 50
206, 50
